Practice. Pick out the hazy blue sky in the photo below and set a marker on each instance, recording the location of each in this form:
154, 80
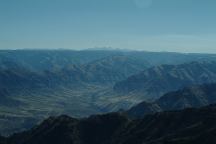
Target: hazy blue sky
154, 25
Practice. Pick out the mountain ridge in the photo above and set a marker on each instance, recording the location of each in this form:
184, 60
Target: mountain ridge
158, 80
194, 96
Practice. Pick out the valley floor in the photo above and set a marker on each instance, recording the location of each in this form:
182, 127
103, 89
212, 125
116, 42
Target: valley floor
23, 109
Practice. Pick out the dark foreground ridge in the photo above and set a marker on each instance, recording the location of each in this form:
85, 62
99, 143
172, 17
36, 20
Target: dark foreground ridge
189, 126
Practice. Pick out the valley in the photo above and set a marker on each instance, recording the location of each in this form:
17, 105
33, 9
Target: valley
37, 84
107, 72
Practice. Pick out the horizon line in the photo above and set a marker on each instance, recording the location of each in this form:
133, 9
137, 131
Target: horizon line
103, 49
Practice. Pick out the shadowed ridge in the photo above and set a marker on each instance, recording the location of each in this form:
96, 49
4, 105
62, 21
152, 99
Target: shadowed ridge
93, 130
194, 96
187, 126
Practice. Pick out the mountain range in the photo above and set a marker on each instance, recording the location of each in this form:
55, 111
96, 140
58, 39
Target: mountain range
36, 84
38, 60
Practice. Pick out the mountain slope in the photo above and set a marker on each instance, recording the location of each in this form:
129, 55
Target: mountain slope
114, 68
182, 127
154, 82
105, 70
194, 96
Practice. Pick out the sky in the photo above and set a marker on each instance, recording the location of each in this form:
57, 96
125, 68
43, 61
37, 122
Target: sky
152, 25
